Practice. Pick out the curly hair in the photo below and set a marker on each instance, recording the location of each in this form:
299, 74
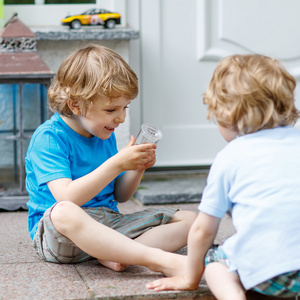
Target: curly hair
89, 73
251, 92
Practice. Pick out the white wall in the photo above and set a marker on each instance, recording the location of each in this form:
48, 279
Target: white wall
179, 47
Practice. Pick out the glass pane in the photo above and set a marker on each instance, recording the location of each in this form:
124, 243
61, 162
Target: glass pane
9, 167
34, 106
12, 167
34, 112
6, 2
8, 108
70, 1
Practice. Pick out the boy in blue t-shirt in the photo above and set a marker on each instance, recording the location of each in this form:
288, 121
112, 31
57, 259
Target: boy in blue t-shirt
257, 176
76, 177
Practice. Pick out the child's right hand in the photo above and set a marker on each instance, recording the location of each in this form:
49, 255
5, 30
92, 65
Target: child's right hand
137, 157
171, 283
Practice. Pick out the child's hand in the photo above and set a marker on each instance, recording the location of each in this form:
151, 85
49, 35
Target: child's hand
137, 157
171, 283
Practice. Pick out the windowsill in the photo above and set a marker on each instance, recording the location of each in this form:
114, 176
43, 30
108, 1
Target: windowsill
63, 33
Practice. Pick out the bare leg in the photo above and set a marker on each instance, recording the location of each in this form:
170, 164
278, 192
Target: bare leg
223, 284
168, 237
107, 244
172, 236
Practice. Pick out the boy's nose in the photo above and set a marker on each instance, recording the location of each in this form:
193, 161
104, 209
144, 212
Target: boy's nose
121, 118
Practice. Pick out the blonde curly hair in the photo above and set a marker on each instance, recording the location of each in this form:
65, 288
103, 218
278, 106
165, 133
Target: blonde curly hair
248, 93
89, 73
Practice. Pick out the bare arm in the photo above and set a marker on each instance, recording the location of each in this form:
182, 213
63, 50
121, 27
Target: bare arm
200, 239
127, 184
85, 188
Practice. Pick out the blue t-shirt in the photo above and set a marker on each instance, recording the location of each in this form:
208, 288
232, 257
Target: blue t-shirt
258, 176
56, 151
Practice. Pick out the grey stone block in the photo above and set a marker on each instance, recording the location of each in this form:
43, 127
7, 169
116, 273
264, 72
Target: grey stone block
171, 190
89, 33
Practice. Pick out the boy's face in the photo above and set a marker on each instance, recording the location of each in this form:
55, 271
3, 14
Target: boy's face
103, 118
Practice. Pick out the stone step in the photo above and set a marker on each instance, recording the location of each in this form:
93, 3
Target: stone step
164, 188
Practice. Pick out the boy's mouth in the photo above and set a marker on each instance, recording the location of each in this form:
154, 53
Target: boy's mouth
109, 128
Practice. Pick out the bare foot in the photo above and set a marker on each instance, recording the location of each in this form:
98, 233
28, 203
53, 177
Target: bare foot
113, 265
170, 264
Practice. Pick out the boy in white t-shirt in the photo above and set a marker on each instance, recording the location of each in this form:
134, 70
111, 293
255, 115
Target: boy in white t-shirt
257, 176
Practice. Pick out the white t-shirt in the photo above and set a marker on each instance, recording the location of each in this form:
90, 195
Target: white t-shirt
258, 175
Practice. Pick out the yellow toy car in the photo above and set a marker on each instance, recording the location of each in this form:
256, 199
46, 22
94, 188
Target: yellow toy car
93, 17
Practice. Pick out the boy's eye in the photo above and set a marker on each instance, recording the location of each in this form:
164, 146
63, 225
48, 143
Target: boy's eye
114, 109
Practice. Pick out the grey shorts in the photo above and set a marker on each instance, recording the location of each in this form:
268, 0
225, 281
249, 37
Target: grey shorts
51, 246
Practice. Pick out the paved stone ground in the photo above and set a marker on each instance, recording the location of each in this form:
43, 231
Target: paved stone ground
24, 276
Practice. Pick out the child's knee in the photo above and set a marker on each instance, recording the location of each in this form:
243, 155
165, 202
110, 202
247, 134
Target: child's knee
62, 215
185, 216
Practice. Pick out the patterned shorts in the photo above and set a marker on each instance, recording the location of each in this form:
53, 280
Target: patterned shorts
51, 246
285, 285
216, 254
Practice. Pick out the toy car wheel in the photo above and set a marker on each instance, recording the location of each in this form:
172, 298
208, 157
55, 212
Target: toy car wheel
110, 24
75, 24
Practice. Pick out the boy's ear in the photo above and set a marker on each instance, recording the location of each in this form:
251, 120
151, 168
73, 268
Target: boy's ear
74, 108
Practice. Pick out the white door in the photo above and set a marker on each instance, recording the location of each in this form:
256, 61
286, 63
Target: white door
179, 46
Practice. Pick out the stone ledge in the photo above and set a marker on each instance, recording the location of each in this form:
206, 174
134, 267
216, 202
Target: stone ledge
171, 190
63, 33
